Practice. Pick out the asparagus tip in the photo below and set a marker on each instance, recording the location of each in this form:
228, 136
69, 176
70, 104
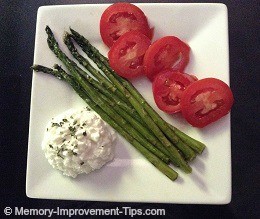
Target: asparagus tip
48, 29
66, 35
72, 31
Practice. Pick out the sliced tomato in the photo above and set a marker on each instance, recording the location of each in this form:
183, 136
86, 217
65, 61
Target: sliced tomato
168, 87
127, 53
205, 101
120, 18
167, 52
192, 78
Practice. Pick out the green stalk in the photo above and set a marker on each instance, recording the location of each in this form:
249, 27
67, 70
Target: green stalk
140, 105
129, 117
181, 144
164, 168
188, 153
103, 64
135, 123
161, 166
53, 45
117, 115
138, 126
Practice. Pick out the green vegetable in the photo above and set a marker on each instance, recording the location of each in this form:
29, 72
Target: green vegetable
174, 154
140, 105
118, 102
96, 97
135, 123
103, 64
141, 127
158, 163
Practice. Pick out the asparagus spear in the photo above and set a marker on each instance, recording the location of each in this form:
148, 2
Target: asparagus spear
141, 106
103, 64
53, 45
73, 68
59, 71
178, 138
174, 154
112, 112
60, 74
139, 127
121, 117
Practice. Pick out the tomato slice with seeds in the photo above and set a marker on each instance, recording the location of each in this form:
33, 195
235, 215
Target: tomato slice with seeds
168, 87
167, 52
127, 53
120, 18
205, 101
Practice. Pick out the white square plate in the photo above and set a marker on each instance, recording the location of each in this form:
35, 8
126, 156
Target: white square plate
130, 178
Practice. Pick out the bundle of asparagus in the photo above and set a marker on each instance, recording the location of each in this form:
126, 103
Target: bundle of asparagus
119, 103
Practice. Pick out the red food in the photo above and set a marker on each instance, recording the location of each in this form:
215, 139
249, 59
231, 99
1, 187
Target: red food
205, 101
168, 87
167, 52
120, 18
192, 78
127, 53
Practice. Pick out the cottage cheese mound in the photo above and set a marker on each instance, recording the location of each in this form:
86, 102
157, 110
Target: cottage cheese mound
78, 141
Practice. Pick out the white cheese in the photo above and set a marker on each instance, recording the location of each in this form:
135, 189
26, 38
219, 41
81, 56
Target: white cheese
78, 141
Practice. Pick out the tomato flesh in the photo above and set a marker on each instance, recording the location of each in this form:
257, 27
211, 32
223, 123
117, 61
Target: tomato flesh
168, 87
205, 101
192, 78
127, 53
120, 18
167, 52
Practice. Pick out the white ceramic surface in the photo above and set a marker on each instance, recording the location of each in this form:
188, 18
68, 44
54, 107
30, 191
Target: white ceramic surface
130, 178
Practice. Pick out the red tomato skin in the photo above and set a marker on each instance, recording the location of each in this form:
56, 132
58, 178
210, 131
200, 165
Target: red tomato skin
129, 48
225, 99
165, 52
135, 19
165, 86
